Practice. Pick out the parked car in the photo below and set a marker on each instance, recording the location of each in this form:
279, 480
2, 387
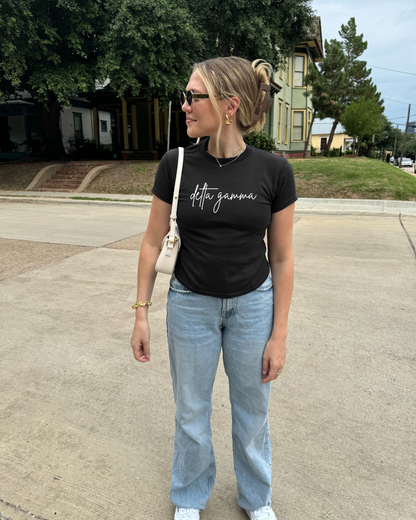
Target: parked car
406, 162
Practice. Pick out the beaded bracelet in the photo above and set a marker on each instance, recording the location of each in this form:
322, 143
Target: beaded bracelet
141, 304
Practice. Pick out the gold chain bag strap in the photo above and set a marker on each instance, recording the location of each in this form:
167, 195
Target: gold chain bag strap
172, 241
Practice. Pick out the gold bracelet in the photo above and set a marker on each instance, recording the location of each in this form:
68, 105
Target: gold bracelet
141, 304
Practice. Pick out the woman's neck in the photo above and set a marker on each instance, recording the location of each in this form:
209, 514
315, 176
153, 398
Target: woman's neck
229, 146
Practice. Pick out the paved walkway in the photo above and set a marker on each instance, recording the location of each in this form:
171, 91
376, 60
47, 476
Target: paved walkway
86, 432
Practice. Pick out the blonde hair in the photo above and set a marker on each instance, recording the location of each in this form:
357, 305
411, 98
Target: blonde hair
235, 77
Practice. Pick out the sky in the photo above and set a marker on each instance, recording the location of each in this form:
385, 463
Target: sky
390, 31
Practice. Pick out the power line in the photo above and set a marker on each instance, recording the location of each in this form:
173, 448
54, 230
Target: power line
391, 70
403, 117
402, 102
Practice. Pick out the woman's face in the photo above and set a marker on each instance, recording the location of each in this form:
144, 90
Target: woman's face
201, 117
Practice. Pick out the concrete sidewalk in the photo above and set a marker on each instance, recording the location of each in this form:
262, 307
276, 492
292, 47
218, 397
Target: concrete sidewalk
86, 432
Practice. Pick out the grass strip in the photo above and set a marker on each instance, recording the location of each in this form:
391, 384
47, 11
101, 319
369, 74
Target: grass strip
110, 200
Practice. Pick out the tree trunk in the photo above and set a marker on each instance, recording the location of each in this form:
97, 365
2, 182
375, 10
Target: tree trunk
305, 151
224, 46
331, 135
49, 113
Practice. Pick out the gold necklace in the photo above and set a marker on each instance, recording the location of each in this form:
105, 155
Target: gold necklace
226, 164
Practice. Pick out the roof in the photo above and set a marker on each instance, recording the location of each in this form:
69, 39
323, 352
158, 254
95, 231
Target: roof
17, 107
323, 126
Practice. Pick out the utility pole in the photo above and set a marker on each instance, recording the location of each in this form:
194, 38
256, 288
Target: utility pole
404, 137
395, 141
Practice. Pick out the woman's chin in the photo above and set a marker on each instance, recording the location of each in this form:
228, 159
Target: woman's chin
192, 133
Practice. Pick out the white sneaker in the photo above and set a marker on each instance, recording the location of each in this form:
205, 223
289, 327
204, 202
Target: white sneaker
264, 513
186, 513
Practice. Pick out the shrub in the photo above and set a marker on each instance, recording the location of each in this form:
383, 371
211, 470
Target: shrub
261, 140
86, 149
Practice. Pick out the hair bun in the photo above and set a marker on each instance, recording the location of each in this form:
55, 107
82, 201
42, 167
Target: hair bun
262, 71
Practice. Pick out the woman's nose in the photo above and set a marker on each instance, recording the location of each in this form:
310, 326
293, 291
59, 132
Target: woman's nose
186, 107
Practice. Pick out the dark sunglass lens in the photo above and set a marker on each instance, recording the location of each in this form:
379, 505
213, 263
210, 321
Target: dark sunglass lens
182, 98
189, 97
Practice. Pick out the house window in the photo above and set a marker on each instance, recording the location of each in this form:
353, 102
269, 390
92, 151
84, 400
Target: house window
287, 124
279, 124
324, 140
78, 133
299, 70
298, 126
103, 126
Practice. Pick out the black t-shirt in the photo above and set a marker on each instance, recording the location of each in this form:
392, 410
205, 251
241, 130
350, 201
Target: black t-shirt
223, 214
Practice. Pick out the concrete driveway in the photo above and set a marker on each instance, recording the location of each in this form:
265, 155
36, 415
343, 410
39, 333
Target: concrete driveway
86, 432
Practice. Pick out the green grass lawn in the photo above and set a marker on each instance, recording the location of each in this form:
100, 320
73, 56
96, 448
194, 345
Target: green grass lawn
352, 178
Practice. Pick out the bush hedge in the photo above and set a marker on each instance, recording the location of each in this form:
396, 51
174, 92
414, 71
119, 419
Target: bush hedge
261, 140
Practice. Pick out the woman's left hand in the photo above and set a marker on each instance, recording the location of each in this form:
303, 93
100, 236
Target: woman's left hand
274, 357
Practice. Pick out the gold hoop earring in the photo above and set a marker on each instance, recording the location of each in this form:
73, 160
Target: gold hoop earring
228, 120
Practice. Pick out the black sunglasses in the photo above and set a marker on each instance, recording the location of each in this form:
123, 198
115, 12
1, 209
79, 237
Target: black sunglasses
189, 96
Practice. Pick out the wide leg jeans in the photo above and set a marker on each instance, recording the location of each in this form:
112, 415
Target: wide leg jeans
198, 327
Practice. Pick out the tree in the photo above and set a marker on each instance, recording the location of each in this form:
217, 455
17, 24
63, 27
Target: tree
342, 76
267, 29
327, 84
49, 48
151, 40
384, 139
360, 84
362, 117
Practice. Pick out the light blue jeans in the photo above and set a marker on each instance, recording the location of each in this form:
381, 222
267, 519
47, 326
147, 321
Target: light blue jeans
198, 327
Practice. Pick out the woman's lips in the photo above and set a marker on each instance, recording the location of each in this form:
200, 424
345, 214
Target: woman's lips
188, 120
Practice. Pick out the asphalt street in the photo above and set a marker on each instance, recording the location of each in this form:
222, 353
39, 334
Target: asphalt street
86, 432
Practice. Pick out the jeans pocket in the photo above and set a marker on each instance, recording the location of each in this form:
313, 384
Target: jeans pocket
266, 286
176, 286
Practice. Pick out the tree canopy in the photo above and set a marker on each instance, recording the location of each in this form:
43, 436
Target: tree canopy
252, 29
362, 117
49, 46
56, 48
149, 40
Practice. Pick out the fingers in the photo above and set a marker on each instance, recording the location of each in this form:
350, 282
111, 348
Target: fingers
271, 371
141, 352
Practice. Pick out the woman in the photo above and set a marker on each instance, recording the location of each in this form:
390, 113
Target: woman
221, 295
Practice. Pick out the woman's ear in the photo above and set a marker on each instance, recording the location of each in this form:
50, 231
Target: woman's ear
233, 104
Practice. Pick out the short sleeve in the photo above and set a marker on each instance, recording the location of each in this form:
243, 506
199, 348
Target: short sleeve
285, 193
165, 178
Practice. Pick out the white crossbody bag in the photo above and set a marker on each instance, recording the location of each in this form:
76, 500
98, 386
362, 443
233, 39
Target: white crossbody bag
172, 241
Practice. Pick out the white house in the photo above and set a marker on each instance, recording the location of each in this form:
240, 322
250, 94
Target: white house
20, 130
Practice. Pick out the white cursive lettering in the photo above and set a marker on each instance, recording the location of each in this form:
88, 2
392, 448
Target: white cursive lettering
202, 194
231, 196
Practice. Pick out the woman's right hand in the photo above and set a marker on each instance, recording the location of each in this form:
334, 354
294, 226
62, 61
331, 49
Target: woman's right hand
140, 341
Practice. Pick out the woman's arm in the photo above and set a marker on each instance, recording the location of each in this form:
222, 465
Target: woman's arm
156, 230
280, 253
